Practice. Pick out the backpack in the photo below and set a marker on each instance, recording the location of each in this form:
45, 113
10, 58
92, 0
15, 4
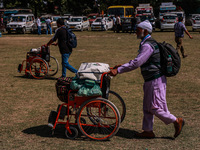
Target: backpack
167, 49
72, 41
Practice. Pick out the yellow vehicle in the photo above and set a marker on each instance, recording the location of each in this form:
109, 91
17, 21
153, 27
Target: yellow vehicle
122, 11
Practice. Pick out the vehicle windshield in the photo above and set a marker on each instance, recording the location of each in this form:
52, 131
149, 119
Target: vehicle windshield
197, 18
92, 17
126, 20
75, 20
55, 18
180, 15
98, 20
43, 19
18, 19
150, 18
116, 11
143, 11
169, 17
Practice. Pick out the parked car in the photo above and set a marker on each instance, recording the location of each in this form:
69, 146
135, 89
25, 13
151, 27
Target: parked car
196, 23
126, 24
151, 19
43, 23
66, 19
168, 21
92, 17
21, 23
78, 23
179, 14
100, 23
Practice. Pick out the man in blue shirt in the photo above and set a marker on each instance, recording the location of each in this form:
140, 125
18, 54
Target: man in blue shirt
179, 29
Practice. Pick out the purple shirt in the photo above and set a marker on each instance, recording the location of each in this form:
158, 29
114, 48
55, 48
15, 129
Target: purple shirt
179, 29
145, 52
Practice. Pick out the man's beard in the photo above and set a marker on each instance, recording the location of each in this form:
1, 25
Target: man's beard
141, 35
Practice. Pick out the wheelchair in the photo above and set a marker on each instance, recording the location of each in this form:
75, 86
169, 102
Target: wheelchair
39, 63
96, 117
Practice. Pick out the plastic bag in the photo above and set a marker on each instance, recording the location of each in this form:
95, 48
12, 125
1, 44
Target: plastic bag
95, 91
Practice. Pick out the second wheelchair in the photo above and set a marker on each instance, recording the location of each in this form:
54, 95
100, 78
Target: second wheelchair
39, 63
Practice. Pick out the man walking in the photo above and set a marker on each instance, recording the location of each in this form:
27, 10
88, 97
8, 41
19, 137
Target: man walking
65, 50
154, 102
179, 29
133, 24
39, 25
118, 23
48, 23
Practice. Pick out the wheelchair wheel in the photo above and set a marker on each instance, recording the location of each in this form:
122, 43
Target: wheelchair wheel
53, 66
118, 102
73, 135
105, 120
38, 68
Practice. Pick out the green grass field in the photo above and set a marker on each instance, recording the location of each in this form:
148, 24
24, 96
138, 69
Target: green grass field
26, 103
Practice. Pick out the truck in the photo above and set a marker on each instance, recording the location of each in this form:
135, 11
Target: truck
144, 9
166, 8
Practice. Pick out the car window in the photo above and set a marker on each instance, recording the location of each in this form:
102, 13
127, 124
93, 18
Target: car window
84, 19
92, 17
18, 19
197, 18
76, 20
98, 20
55, 18
169, 17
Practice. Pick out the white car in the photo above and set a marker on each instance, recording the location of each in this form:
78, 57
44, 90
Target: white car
168, 21
78, 23
21, 23
100, 23
196, 23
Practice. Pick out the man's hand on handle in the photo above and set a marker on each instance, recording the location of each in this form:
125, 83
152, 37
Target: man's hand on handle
113, 72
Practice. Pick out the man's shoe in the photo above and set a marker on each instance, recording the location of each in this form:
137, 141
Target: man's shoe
146, 134
178, 127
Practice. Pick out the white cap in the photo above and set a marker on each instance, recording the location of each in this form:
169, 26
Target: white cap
145, 25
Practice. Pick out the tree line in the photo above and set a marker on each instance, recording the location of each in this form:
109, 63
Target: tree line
84, 7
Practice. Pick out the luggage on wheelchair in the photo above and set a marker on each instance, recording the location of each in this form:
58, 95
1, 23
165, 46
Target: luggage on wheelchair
63, 87
92, 70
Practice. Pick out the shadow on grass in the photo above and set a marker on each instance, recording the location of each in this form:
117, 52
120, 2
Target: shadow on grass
131, 134
31, 78
45, 131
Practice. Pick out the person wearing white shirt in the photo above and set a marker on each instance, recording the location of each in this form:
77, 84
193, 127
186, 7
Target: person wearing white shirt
39, 25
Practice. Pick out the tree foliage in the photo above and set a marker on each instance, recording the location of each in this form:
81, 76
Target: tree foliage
83, 7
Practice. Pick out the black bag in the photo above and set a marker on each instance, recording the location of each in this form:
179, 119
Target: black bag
45, 52
167, 49
63, 87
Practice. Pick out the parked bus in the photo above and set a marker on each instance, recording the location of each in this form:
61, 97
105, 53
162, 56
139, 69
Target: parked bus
144, 9
166, 8
122, 11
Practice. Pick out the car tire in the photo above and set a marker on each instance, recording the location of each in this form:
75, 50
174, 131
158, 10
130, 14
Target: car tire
193, 29
82, 29
9, 32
